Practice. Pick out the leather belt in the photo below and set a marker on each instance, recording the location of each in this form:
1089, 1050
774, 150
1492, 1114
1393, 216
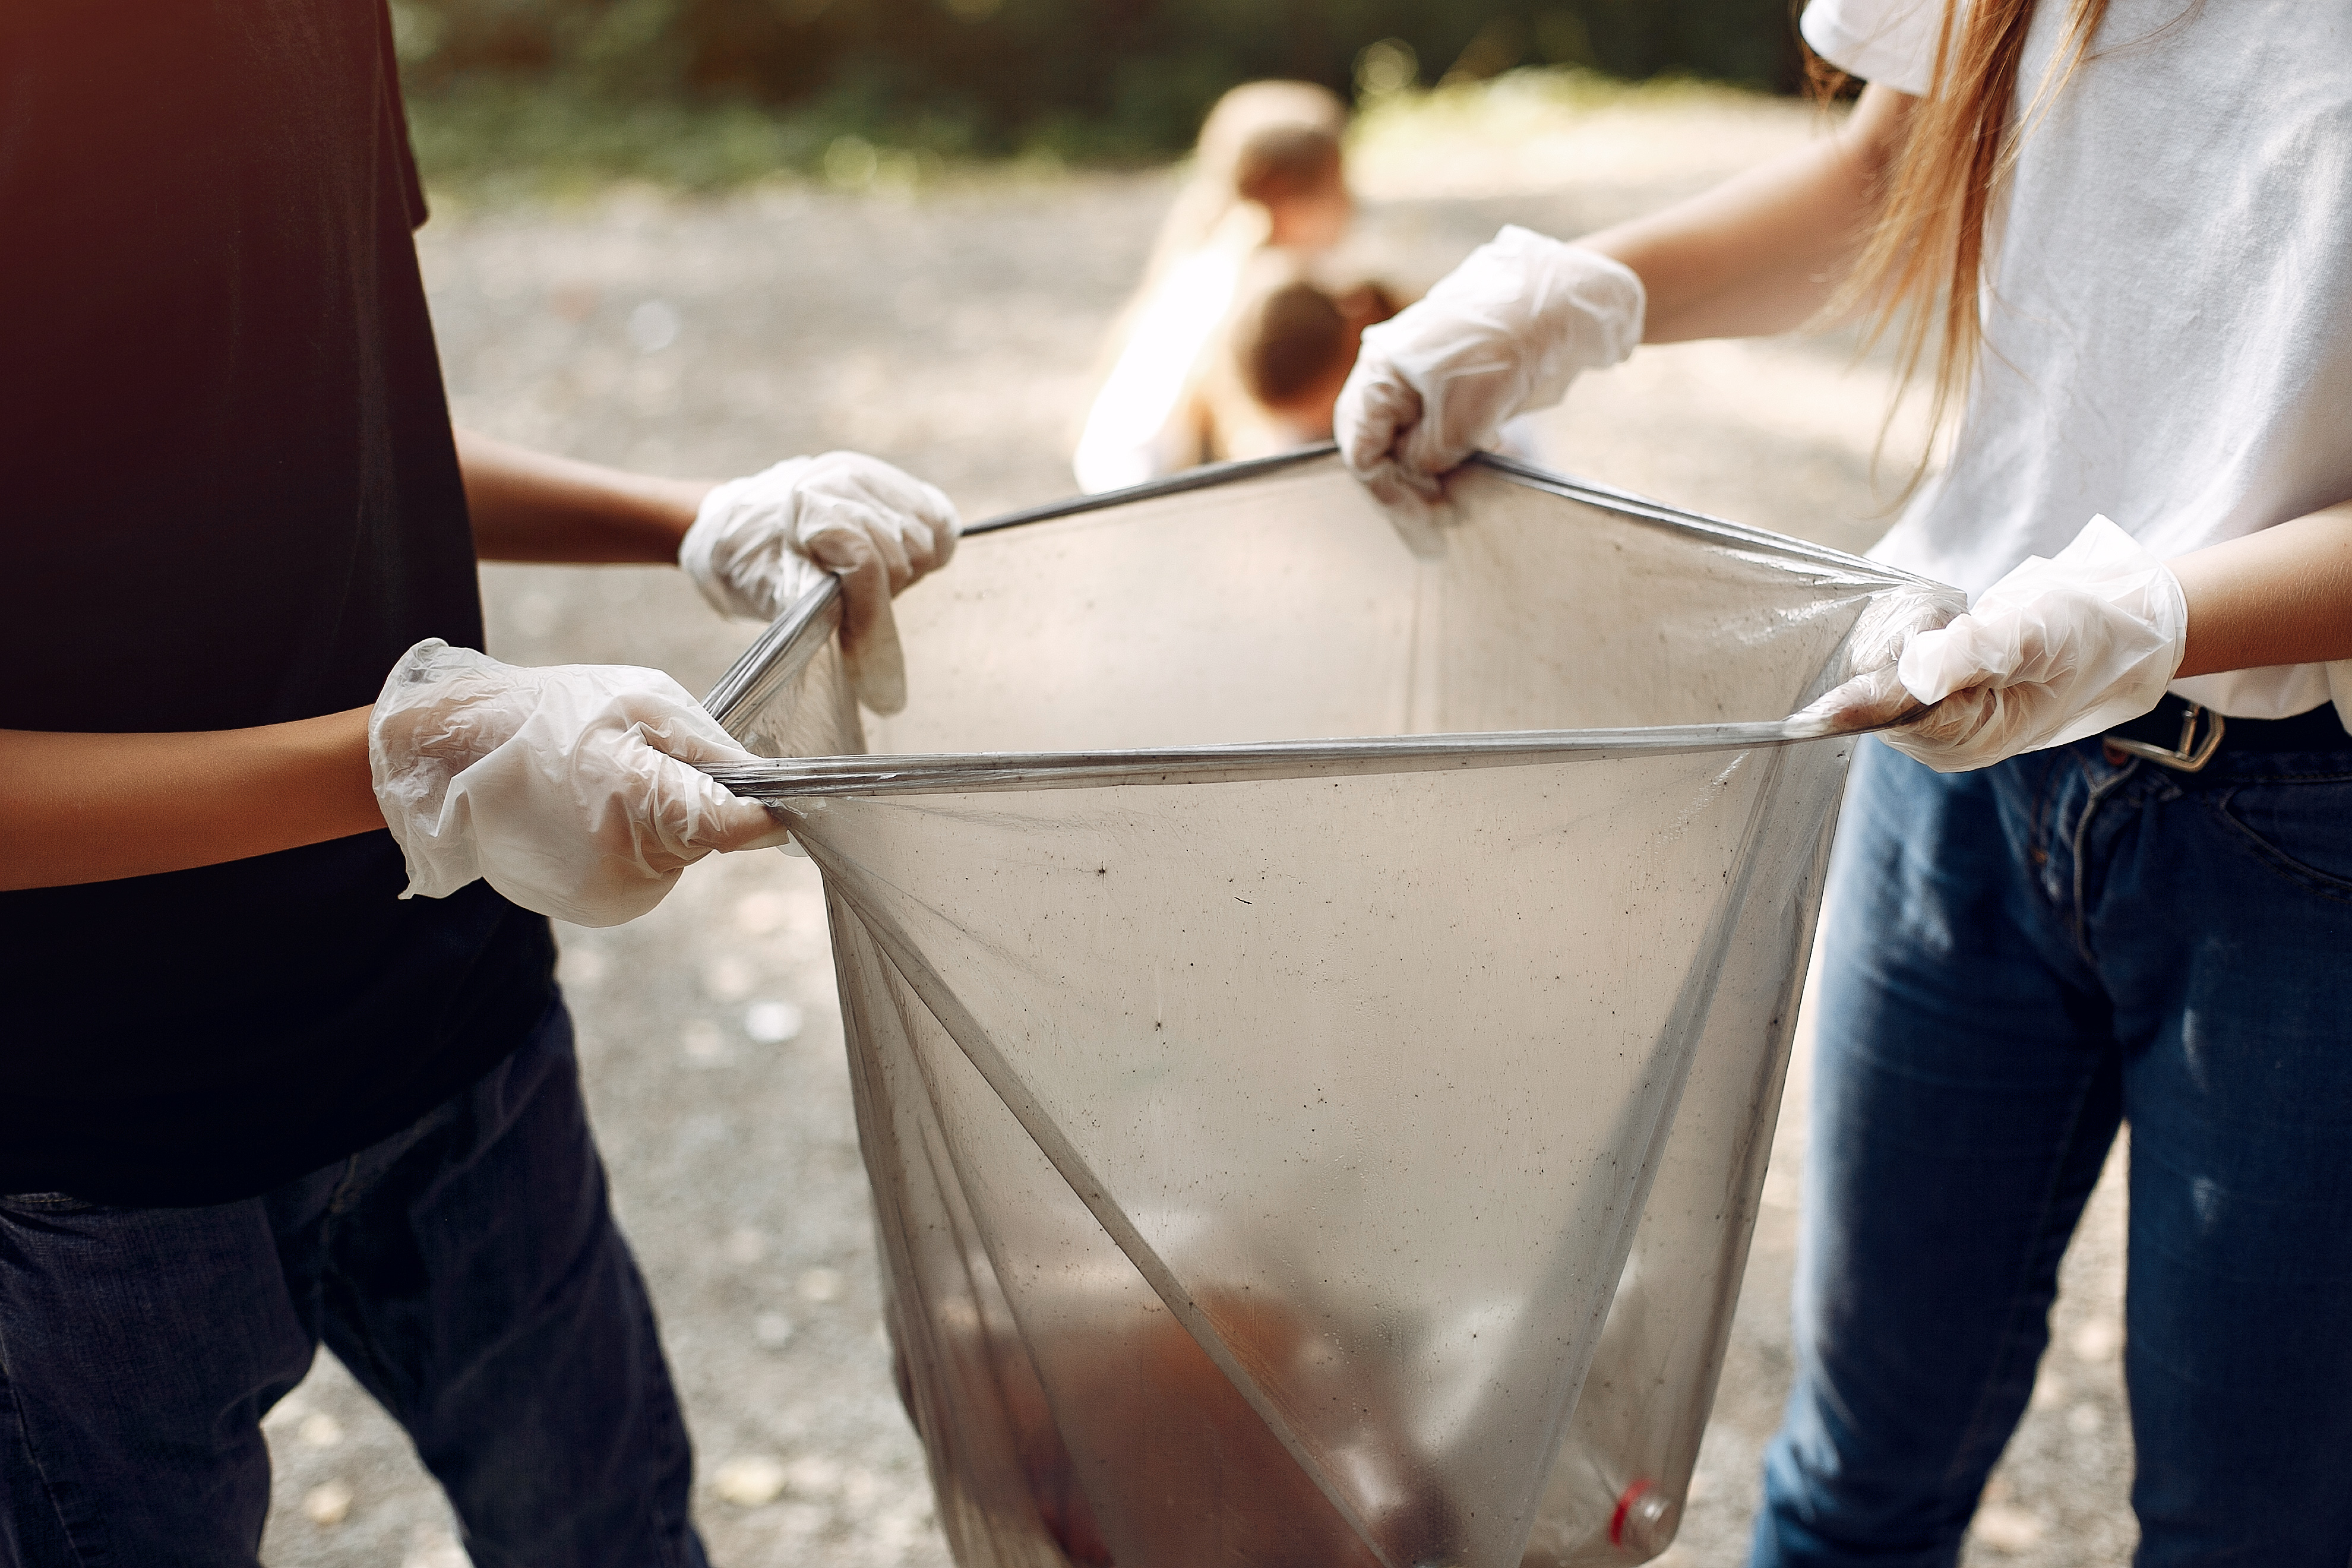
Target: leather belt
2178, 734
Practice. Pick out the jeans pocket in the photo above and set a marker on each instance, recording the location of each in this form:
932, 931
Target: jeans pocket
2301, 828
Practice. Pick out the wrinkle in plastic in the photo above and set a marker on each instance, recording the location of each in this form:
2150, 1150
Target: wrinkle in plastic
1325, 1157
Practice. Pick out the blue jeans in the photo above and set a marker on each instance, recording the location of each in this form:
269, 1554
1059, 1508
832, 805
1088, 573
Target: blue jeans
467, 1270
2016, 961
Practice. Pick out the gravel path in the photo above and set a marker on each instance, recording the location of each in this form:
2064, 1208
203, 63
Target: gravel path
955, 330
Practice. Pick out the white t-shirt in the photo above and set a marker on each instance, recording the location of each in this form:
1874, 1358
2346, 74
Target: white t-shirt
2167, 297
1135, 430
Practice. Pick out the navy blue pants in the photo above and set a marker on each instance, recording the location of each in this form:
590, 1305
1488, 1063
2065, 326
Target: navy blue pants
2016, 961
467, 1270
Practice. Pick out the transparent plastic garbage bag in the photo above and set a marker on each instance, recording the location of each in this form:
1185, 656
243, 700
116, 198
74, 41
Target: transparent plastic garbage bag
1317, 998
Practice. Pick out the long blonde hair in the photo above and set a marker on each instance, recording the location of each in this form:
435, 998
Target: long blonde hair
1920, 274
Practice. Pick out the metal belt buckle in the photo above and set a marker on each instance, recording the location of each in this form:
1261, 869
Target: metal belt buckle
2187, 757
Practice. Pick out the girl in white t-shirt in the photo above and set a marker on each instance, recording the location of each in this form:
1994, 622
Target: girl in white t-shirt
2120, 888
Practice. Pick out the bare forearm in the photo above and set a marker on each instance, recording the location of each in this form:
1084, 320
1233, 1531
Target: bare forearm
1763, 252
2280, 596
532, 505
94, 808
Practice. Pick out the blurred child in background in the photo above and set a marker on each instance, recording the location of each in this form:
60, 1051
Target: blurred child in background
1273, 373
1267, 176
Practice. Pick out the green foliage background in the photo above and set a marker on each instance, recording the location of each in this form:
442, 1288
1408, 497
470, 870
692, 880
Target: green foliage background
1087, 79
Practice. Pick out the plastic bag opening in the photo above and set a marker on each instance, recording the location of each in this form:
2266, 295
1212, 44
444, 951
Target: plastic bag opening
1317, 1010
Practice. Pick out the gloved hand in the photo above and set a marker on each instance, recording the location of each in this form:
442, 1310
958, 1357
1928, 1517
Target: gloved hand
759, 543
2057, 650
1874, 695
569, 789
1502, 335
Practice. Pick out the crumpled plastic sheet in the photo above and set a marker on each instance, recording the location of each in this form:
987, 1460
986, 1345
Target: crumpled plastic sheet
1318, 995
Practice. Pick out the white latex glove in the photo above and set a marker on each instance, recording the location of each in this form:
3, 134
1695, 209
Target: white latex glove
1502, 335
570, 789
760, 542
1875, 694
2057, 650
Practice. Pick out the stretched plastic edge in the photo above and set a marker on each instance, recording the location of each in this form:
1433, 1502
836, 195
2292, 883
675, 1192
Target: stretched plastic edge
781, 652
775, 658
958, 772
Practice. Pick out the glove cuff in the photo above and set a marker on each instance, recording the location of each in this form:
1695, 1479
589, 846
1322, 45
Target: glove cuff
721, 552
414, 753
1585, 310
697, 552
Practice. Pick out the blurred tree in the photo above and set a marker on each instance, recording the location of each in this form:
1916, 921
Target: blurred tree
1079, 76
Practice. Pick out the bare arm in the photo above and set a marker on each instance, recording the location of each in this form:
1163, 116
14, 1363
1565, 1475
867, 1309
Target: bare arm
95, 807
2280, 596
91, 808
529, 506
1762, 252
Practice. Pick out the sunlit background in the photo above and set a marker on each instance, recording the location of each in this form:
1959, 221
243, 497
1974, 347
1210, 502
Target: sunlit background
706, 92
694, 236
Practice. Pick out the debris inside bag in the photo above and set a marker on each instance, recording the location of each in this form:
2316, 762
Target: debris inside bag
1224, 1490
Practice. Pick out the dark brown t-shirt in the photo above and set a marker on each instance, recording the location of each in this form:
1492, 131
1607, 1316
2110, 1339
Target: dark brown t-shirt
228, 496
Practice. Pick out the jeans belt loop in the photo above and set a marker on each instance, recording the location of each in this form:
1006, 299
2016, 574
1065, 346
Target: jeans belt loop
2188, 756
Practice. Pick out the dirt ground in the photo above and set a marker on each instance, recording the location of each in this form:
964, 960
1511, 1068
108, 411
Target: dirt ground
954, 330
